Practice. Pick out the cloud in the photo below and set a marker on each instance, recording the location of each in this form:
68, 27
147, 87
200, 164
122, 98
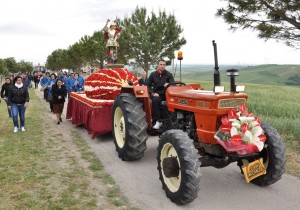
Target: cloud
20, 29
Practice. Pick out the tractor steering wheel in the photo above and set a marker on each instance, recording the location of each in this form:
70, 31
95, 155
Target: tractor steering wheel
176, 84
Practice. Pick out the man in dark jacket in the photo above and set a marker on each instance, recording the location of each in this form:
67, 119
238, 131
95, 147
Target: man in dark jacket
4, 92
157, 83
18, 99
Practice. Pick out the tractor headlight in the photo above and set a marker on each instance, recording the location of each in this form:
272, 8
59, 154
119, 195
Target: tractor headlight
219, 89
240, 88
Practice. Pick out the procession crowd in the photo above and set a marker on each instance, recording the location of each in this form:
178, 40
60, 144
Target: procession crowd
58, 85
55, 85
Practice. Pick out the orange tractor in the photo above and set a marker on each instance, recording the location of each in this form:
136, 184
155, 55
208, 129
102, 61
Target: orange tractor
190, 135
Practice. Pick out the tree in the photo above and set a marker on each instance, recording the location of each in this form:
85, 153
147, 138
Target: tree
273, 19
3, 67
11, 65
24, 66
93, 49
146, 39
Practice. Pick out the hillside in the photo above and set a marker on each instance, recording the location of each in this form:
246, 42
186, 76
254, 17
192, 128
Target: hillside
271, 74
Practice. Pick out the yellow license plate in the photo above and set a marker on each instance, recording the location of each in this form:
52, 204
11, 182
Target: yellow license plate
253, 170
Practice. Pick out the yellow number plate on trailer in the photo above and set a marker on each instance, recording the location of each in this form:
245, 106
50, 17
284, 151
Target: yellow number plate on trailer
253, 170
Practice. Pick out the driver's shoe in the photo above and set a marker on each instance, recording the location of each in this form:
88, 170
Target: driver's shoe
157, 125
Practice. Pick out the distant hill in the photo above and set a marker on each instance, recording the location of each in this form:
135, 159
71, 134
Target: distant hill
271, 74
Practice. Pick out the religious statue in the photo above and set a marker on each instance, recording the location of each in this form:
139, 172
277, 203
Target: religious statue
111, 34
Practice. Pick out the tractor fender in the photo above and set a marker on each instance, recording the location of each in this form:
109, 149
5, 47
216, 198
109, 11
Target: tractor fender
142, 93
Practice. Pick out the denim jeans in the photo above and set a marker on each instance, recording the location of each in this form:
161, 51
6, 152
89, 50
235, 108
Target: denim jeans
18, 109
9, 110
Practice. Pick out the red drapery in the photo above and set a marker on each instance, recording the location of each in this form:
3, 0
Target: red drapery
96, 119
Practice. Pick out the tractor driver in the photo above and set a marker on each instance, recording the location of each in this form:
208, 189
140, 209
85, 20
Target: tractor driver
157, 83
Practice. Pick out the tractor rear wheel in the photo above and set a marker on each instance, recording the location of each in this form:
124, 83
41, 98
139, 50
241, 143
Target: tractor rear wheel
273, 157
178, 166
129, 127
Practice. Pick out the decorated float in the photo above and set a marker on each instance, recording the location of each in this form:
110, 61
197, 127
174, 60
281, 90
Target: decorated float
92, 108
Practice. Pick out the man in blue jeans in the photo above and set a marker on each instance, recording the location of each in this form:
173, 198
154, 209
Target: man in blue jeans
18, 99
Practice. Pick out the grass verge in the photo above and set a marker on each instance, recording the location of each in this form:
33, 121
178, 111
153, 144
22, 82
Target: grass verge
49, 167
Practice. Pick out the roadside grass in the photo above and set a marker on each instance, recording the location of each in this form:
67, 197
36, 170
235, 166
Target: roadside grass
42, 169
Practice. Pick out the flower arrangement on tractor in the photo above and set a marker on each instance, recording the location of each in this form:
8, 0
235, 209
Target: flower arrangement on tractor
241, 132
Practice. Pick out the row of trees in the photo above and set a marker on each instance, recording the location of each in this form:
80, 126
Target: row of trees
144, 39
10, 65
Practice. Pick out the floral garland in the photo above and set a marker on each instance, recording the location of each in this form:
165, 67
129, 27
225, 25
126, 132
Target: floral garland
240, 127
107, 83
95, 103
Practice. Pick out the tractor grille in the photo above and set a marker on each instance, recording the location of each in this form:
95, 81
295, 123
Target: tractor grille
231, 103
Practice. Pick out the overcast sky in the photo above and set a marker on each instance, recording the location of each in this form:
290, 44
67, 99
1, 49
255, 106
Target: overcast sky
32, 29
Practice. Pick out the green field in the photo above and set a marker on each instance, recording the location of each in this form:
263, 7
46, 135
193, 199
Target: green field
262, 74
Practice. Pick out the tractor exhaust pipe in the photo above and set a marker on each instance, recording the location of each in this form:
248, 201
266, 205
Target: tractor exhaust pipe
232, 73
217, 80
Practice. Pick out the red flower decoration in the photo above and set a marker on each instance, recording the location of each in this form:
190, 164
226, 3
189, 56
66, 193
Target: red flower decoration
107, 83
257, 120
232, 114
243, 109
236, 140
225, 120
245, 128
262, 137
225, 128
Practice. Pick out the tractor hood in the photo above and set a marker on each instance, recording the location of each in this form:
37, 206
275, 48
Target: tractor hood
188, 98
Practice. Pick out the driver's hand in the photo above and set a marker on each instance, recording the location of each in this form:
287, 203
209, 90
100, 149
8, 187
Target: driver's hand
156, 95
166, 84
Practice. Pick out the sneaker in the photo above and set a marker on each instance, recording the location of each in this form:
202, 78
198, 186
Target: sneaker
157, 125
22, 129
16, 129
57, 123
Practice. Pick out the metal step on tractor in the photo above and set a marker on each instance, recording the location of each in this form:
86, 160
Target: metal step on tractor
202, 128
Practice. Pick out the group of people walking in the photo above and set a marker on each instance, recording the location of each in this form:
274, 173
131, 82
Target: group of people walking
55, 86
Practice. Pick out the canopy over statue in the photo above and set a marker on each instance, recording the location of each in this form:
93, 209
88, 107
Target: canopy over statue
111, 34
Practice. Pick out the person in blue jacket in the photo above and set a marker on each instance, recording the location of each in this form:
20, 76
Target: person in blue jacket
70, 83
78, 83
51, 82
44, 83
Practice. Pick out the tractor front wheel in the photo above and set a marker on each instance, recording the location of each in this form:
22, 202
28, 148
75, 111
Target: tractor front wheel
129, 127
178, 166
273, 157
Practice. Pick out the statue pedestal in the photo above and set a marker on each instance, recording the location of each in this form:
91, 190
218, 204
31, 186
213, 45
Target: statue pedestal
113, 65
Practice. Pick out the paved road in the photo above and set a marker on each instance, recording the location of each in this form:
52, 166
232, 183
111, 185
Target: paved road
220, 188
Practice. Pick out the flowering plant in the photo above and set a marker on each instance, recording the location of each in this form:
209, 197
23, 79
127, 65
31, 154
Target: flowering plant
240, 127
107, 83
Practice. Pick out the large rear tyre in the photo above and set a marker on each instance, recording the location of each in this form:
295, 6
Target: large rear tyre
273, 157
178, 166
129, 127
